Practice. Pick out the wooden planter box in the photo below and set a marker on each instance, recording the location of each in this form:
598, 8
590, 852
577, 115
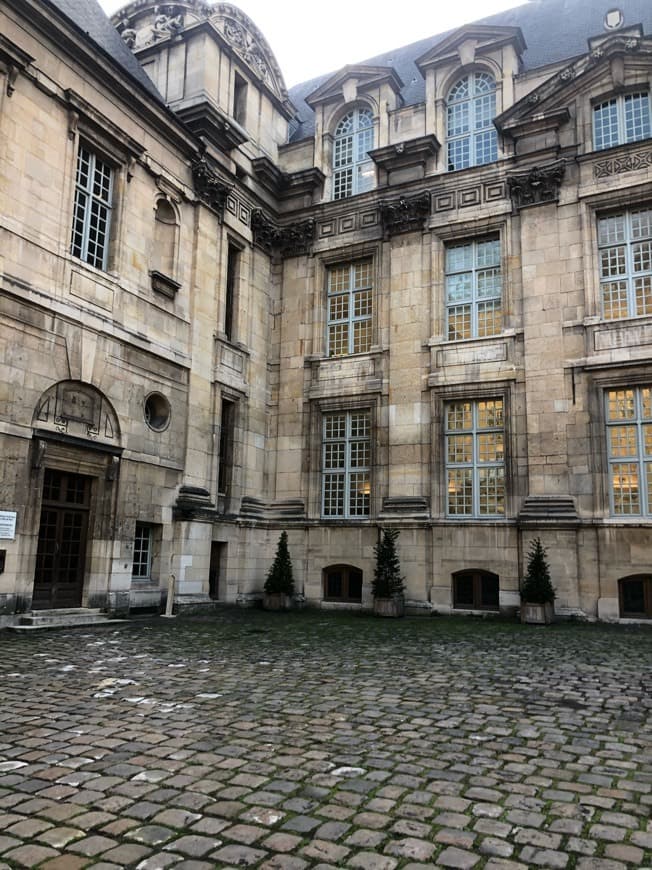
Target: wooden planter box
537, 614
392, 607
277, 601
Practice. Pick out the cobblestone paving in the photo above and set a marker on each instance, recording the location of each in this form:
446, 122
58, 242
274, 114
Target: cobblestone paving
310, 740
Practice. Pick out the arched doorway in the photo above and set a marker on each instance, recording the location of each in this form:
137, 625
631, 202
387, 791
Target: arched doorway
75, 462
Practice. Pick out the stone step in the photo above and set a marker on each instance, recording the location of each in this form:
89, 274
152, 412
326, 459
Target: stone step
37, 620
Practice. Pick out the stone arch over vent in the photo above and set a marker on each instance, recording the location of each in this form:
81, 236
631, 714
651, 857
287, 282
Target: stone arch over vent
78, 410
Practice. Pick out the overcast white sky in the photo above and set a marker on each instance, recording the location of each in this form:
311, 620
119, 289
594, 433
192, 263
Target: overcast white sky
309, 39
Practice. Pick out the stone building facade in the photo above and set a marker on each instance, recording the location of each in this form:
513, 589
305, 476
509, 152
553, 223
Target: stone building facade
415, 293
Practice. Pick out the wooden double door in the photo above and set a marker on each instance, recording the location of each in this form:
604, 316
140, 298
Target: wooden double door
63, 530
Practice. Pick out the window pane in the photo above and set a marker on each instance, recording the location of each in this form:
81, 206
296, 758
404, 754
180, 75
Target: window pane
625, 486
489, 594
355, 584
463, 590
460, 491
633, 592
637, 117
605, 125
621, 405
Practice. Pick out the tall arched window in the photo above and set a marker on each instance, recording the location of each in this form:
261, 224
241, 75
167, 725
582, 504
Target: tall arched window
471, 134
353, 170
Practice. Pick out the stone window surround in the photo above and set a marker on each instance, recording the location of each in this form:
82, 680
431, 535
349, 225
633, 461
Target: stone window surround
355, 108
320, 407
325, 261
442, 396
590, 209
603, 378
462, 233
105, 139
642, 87
639, 459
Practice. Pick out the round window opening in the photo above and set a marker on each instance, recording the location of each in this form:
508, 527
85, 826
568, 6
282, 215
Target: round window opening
157, 412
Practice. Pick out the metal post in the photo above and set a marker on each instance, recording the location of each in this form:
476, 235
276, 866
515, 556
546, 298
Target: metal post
169, 604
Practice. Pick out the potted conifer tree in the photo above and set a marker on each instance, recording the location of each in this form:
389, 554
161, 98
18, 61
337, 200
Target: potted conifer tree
279, 584
388, 583
537, 591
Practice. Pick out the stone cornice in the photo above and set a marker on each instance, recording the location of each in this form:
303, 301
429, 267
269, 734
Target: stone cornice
12, 61
537, 185
283, 184
405, 214
409, 153
290, 240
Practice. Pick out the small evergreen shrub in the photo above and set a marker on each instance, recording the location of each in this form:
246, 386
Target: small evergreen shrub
388, 581
537, 587
280, 579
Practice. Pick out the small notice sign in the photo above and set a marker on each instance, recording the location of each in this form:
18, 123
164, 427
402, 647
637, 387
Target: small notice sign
8, 525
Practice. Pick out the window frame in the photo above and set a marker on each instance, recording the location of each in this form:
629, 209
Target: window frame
352, 293
475, 465
348, 469
640, 460
349, 179
475, 301
82, 232
346, 571
478, 575
626, 273
646, 613
139, 550
619, 135
469, 111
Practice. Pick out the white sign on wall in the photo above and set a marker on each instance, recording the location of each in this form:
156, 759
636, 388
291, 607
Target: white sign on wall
8, 524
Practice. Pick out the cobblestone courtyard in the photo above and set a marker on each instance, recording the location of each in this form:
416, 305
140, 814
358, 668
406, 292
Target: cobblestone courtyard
314, 740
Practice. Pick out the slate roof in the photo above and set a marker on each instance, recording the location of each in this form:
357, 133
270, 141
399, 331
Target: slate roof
89, 17
553, 30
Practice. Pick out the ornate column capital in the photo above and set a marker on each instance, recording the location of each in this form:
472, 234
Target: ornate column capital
405, 214
540, 184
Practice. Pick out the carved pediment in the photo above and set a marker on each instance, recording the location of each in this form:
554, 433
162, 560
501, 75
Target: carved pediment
466, 43
144, 24
78, 410
605, 67
359, 77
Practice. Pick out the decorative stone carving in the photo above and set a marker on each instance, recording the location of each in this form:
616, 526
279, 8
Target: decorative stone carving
625, 163
246, 46
290, 240
76, 409
405, 214
169, 20
538, 185
210, 188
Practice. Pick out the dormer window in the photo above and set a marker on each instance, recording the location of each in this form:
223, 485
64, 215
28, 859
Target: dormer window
353, 169
622, 119
471, 135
